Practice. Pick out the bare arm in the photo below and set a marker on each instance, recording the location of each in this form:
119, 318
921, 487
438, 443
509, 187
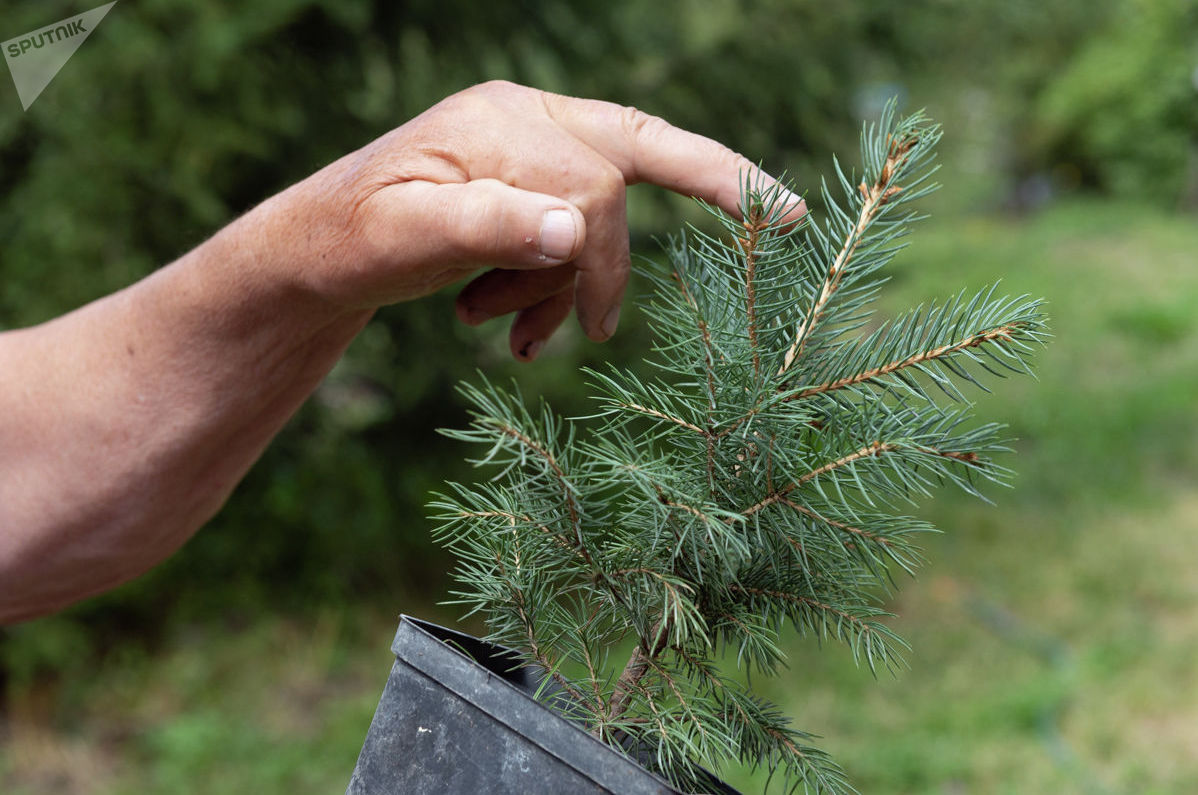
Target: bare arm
125, 425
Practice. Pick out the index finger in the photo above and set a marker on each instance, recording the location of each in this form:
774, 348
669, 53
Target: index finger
647, 148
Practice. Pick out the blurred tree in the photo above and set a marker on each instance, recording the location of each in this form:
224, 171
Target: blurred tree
1123, 115
1090, 94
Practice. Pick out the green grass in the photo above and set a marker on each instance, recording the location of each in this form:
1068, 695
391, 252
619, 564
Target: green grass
1055, 634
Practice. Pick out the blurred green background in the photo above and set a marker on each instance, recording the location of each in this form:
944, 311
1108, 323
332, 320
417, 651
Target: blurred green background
1055, 634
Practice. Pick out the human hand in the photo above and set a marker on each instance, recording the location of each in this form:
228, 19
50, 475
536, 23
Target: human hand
499, 174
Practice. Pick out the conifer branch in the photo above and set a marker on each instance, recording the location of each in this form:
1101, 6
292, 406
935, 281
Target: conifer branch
717, 685
714, 682
754, 225
874, 198
654, 536
705, 337
785, 742
630, 677
807, 601
710, 464
495, 515
1005, 333
709, 371
672, 606
870, 450
538, 655
567, 490
739, 421
634, 671
659, 720
592, 670
672, 684
856, 531
687, 508
965, 457
661, 415
867, 638
512, 517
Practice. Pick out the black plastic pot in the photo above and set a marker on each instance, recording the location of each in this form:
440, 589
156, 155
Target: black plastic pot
458, 716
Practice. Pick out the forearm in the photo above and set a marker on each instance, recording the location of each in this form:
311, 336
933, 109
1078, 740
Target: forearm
128, 422
125, 425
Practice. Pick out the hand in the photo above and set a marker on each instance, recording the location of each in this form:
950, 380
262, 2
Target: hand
530, 182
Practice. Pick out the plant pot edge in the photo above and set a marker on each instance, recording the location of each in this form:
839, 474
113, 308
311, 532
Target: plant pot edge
440, 671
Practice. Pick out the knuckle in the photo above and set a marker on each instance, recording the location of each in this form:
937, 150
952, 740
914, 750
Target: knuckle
494, 86
598, 188
478, 100
497, 89
735, 160
636, 123
608, 182
639, 128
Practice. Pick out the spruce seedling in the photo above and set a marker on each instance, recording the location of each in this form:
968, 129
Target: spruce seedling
649, 558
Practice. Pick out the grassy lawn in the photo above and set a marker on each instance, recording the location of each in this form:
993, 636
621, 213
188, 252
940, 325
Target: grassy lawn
1055, 635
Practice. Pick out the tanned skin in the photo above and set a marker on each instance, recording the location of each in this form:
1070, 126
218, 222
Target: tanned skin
125, 424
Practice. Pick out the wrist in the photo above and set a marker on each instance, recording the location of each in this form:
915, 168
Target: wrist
310, 242
288, 251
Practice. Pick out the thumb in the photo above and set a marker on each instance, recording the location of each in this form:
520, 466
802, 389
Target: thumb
483, 221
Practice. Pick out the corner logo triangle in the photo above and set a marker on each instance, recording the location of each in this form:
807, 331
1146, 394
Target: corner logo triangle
35, 58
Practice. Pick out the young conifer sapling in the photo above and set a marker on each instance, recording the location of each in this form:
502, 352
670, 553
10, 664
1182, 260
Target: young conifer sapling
750, 481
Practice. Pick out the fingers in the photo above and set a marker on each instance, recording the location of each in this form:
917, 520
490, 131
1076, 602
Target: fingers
535, 324
584, 152
475, 222
648, 149
644, 148
542, 300
498, 292
603, 266
564, 166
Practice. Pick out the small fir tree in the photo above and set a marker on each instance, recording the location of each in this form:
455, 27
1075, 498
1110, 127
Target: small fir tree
650, 558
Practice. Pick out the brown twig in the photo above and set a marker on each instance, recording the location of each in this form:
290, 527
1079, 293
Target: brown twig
857, 531
634, 671
874, 198
965, 458
872, 449
972, 341
661, 415
748, 244
664, 500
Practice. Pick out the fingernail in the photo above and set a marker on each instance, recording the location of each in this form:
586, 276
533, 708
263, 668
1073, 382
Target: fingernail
531, 349
611, 321
558, 234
